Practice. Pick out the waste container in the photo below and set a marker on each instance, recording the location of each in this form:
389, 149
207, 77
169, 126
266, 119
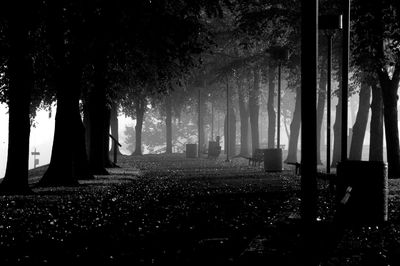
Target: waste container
213, 149
191, 150
273, 160
362, 192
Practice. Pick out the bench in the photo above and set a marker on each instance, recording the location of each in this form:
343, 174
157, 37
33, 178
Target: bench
257, 157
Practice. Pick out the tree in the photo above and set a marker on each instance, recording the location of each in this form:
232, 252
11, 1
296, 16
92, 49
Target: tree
378, 53
295, 129
376, 125
254, 108
114, 127
68, 160
321, 108
244, 117
360, 124
20, 83
271, 107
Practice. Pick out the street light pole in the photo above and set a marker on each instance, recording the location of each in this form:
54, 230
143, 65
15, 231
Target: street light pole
309, 74
330, 23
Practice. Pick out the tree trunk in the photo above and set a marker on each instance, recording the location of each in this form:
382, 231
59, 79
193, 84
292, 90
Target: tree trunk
140, 107
168, 123
200, 123
376, 126
68, 161
337, 133
20, 76
254, 109
361, 121
389, 96
320, 110
114, 128
295, 129
106, 145
244, 120
80, 156
232, 132
97, 104
270, 107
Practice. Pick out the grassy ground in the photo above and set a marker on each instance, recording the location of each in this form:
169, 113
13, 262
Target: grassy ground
159, 209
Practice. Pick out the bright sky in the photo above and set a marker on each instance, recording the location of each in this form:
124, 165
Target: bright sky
41, 136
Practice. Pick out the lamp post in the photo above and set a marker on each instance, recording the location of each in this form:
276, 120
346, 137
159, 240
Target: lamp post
279, 54
273, 157
330, 23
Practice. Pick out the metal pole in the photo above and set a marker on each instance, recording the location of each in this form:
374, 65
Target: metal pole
328, 107
309, 74
345, 76
278, 140
227, 120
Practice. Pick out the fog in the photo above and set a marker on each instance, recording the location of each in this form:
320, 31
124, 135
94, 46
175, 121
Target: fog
41, 136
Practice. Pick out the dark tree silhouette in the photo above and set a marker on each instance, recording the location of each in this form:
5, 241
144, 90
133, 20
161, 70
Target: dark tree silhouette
360, 125
254, 109
376, 125
270, 106
295, 129
20, 83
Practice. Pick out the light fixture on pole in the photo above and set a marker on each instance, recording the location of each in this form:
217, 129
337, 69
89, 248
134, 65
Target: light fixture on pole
279, 54
273, 157
329, 23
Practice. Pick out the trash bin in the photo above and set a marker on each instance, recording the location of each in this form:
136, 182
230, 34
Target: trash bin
213, 149
191, 150
362, 192
273, 160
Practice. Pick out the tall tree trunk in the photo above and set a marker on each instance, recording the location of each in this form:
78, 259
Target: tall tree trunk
97, 104
270, 106
20, 76
140, 109
244, 120
168, 123
361, 121
320, 110
80, 156
337, 133
106, 132
201, 109
295, 129
68, 161
376, 126
254, 109
232, 132
389, 96
114, 127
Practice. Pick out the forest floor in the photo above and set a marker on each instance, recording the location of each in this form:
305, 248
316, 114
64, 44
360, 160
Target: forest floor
167, 209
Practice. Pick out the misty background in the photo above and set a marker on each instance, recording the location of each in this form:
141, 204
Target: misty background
42, 132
